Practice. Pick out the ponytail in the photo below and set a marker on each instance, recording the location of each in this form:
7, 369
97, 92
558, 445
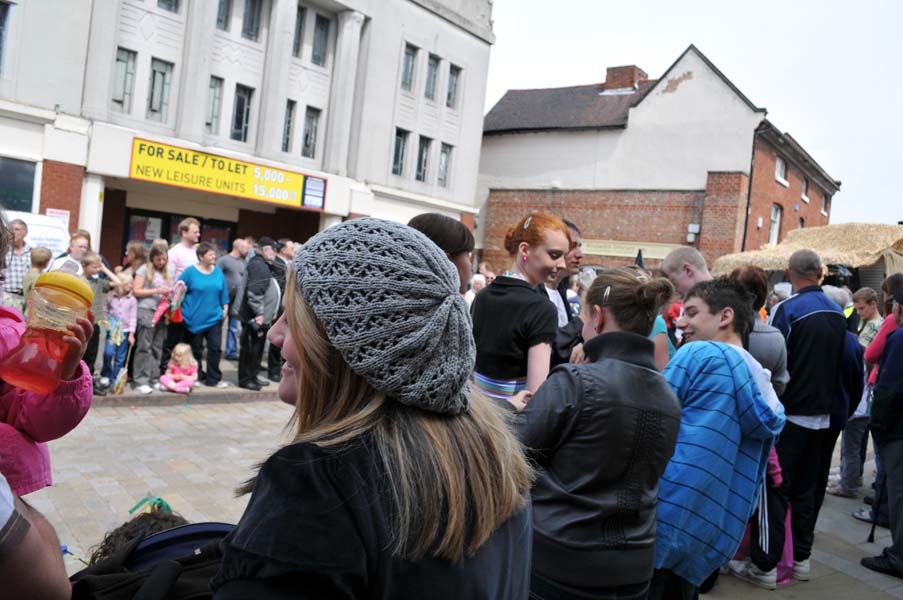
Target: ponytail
633, 301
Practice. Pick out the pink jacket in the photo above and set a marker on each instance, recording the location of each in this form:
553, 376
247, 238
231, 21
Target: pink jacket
29, 420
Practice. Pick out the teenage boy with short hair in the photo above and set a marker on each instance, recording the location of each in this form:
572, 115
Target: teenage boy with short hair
730, 416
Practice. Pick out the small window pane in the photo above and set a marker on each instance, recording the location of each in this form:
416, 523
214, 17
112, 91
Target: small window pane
241, 113
124, 80
298, 42
17, 190
805, 188
287, 128
321, 41
432, 74
250, 25
223, 13
158, 92
407, 67
454, 77
444, 165
214, 105
776, 213
780, 169
423, 158
170, 5
825, 203
311, 123
4, 17
401, 140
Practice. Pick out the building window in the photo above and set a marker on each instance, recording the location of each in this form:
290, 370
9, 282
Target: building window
158, 93
288, 127
4, 18
802, 222
123, 79
401, 141
17, 191
454, 80
223, 14
311, 123
776, 213
432, 74
241, 113
780, 170
299, 32
214, 105
445, 154
170, 5
321, 41
407, 67
805, 195
423, 158
825, 204
250, 24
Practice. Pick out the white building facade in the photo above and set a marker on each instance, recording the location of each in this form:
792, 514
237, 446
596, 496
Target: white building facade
259, 117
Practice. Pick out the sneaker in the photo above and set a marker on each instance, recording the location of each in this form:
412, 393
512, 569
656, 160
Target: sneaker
752, 574
881, 564
801, 570
221, 385
144, 389
158, 387
105, 382
100, 390
864, 514
839, 490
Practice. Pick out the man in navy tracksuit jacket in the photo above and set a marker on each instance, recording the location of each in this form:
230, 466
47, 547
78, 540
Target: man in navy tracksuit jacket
815, 330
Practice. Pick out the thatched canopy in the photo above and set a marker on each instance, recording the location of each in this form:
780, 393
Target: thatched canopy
851, 244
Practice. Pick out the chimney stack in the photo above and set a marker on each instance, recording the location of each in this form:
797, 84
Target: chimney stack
617, 78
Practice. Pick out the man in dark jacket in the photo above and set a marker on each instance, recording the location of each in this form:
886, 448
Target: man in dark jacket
260, 299
887, 429
568, 335
815, 330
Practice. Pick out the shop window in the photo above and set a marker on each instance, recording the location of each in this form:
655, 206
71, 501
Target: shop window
454, 80
401, 141
423, 158
288, 126
241, 112
124, 80
250, 24
444, 165
223, 14
298, 41
432, 74
214, 105
17, 191
311, 124
321, 41
170, 5
777, 212
407, 67
4, 23
158, 94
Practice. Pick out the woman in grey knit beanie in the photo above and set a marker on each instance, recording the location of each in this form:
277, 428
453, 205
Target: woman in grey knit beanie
396, 480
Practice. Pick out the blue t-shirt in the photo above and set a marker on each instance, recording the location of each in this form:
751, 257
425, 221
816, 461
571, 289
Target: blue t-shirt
661, 327
205, 296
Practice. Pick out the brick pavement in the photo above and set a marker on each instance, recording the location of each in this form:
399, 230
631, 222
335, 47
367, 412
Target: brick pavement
195, 454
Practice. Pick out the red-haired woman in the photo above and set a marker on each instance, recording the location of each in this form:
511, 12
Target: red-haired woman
514, 325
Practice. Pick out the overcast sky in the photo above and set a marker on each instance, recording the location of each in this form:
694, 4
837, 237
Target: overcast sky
830, 72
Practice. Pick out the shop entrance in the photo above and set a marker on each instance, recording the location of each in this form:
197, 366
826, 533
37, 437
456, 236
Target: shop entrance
149, 225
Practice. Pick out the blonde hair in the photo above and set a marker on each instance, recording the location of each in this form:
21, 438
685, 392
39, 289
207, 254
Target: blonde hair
124, 279
180, 353
40, 257
158, 248
452, 480
633, 299
90, 258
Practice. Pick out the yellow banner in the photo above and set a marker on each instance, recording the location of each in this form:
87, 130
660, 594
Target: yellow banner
181, 167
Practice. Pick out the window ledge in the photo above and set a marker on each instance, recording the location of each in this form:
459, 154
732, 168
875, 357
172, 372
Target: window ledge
824, 213
782, 181
805, 199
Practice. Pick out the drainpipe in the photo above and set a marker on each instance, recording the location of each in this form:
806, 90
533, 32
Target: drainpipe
752, 168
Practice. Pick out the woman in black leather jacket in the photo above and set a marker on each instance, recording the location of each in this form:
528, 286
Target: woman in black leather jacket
602, 434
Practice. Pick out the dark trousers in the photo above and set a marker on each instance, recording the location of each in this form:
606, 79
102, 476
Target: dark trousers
544, 589
665, 585
892, 453
274, 363
213, 338
824, 467
767, 530
90, 356
250, 353
176, 333
801, 452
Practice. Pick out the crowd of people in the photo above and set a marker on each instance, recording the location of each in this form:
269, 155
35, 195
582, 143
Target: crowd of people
549, 432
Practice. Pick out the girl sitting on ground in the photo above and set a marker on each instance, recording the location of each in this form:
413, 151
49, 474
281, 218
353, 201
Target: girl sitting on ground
182, 371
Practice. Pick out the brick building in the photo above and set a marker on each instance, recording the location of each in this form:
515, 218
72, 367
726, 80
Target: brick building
647, 164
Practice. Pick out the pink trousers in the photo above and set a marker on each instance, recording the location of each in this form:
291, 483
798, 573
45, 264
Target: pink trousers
180, 387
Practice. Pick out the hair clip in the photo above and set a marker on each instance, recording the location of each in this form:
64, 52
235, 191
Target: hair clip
527, 222
605, 295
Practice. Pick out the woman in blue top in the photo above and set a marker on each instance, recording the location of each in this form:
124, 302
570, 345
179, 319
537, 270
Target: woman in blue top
204, 306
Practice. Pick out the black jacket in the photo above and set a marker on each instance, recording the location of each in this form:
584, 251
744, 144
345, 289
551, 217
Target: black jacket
602, 434
887, 405
569, 335
259, 292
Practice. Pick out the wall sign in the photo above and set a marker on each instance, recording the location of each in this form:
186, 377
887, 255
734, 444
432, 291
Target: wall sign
195, 170
652, 250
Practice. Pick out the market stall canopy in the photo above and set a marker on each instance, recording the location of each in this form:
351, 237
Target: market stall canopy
851, 244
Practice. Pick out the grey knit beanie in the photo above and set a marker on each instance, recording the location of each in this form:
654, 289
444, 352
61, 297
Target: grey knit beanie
388, 299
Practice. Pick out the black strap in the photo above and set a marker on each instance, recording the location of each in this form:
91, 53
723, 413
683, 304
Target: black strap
160, 581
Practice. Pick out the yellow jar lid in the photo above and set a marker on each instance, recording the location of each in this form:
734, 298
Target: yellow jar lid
67, 282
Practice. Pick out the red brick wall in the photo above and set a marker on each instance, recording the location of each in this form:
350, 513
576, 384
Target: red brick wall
468, 220
766, 191
657, 216
722, 219
61, 187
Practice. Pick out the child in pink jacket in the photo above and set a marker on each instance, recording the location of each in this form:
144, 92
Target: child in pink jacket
29, 420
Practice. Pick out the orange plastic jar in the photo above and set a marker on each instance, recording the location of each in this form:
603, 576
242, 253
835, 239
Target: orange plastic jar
57, 300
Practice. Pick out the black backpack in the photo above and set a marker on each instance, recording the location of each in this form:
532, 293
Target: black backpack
176, 564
